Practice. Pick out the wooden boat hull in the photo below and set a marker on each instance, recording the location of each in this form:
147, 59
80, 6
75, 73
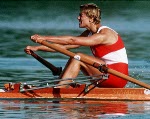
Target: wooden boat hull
81, 92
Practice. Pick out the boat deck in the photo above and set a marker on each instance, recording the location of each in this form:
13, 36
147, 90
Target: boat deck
79, 92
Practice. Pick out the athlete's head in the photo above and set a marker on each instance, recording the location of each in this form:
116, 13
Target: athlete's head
92, 11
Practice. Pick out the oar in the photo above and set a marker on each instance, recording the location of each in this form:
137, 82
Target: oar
55, 70
102, 68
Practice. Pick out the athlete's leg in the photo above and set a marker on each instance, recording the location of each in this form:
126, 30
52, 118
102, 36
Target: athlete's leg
71, 70
73, 67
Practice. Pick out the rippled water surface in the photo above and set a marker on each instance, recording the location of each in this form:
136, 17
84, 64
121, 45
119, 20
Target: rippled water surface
66, 109
20, 19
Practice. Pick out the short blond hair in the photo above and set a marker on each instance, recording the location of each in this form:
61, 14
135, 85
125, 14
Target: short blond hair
92, 11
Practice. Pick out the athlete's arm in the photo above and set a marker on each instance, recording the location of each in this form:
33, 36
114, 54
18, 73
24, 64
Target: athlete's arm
82, 40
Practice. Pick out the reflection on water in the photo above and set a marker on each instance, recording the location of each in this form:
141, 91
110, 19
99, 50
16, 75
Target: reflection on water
75, 109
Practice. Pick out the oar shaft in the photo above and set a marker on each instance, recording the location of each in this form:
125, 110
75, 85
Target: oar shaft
55, 70
94, 64
68, 53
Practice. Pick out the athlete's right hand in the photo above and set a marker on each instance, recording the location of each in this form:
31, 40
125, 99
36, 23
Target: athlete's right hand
29, 48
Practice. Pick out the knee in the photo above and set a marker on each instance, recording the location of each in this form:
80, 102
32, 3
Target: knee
80, 55
98, 60
72, 59
76, 58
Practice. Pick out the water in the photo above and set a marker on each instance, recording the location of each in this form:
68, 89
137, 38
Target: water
21, 19
73, 109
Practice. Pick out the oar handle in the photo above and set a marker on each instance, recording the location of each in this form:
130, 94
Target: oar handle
102, 68
55, 70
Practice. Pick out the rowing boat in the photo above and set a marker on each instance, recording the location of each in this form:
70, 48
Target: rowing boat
79, 92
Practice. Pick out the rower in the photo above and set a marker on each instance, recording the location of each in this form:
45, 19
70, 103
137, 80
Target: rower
105, 44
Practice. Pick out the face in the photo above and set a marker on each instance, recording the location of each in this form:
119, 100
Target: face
83, 20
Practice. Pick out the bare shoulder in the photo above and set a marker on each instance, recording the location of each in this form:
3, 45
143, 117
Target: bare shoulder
108, 31
109, 35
